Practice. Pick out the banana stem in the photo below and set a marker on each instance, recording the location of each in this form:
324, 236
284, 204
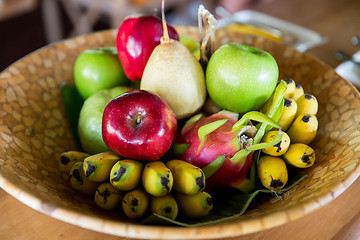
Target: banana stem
165, 38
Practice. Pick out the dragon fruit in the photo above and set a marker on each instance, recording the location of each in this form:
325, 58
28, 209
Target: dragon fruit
222, 145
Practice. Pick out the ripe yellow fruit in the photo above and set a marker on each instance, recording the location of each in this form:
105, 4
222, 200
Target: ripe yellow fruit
303, 129
298, 91
107, 197
299, 155
288, 114
194, 206
290, 90
272, 172
278, 149
135, 203
188, 179
165, 206
157, 179
307, 104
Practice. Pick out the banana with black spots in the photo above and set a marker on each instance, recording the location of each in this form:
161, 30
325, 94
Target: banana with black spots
97, 167
299, 91
126, 174
80, 182
194, 206
69, 158
288, 114
136, 203
278, 149
307, 104
157, 179
272, 172
303, 129
290, 90
108, 197
165, 206
299, 155
188, 179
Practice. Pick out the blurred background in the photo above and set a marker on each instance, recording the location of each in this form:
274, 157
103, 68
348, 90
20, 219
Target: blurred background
27, 25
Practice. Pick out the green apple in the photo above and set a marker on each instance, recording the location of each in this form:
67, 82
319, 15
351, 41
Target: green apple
241, 78
90, 119
98, 69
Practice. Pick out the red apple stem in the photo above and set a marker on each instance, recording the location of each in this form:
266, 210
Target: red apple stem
138, 118
165, 38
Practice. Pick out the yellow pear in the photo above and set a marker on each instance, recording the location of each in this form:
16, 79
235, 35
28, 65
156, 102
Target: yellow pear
174, 74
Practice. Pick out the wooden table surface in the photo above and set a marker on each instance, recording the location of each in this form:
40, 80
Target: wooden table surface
338, 21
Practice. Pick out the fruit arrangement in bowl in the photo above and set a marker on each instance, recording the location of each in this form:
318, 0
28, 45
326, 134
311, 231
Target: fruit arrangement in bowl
298, 135
153, 149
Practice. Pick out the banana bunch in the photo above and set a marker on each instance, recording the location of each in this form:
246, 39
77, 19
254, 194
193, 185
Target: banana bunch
299, 126
176, 186
138, 187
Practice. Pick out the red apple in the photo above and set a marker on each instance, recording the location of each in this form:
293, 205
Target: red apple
136, 39
139, 125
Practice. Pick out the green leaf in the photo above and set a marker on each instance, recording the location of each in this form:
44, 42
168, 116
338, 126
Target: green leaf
279, 95
277, 114
228, 204
73, 103
248, 184
255, 116
179, 148
277, 103
209, 128
210, 169
242, 154
193, 119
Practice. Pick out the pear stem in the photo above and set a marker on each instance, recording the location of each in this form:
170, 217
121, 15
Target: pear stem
165, 38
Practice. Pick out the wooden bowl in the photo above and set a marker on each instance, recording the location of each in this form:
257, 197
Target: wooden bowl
34, 131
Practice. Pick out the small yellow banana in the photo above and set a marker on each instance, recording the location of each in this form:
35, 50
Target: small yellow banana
272, 172
108, 197
290, 90
69, 158
278, 149
157, 179
165, 206
298, 91
299, 155
80, 182
188, 179
194, 206
97, 167
126, 174
135, 203
307, 104
288, 114
303, 129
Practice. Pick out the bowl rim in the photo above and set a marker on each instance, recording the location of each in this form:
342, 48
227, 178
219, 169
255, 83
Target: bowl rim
213, 231
136, 230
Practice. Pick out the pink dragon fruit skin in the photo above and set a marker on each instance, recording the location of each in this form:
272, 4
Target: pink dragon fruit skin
219, 142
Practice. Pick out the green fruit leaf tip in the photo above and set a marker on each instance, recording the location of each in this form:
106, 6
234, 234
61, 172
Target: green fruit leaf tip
179, 148
210, 169
209, 128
